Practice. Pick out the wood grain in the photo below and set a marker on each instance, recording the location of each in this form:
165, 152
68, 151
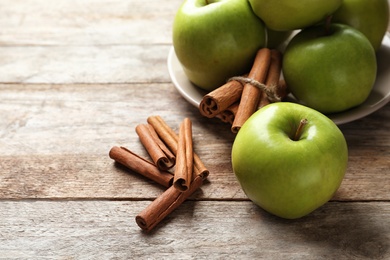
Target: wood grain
76, 77
107, 230
67, 156
85, 42
84, 64
87, 22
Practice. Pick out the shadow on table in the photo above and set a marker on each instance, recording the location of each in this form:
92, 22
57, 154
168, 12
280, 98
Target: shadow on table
338, 228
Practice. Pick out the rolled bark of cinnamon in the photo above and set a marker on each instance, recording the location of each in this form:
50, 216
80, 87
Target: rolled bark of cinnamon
229, 113
273, 77
282, 89
141, 166
164, 204
220, 99
184, 166
251, 94
162, 157
170, 138
166, 134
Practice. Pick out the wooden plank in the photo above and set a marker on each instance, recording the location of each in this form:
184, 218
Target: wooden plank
91, 42
30, 121
369, 130
78, 76
81, 176
74, 119
201, 230
55, 141
88, 22
37, 22
84, 64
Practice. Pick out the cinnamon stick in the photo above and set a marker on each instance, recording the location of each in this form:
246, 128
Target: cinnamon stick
166, 134
185, 157
221, 98
162, 157
164, 204
273, 77
229, 113
140, 165
251, 95
187, 128
282, 89
170, 138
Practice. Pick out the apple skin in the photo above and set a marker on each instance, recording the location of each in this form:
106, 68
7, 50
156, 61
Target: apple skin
330, 72
285, 15
370, 17
289, 178
216, 41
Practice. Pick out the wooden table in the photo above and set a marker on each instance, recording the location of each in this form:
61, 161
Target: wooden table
76, 77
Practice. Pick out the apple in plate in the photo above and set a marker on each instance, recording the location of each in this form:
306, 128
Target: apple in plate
285, 15
216, 39
370, 17
330, 68
289, 159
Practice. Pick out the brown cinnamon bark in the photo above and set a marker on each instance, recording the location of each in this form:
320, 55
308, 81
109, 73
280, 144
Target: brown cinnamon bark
273, 77
185, 157
170, 138
220, 99
251, 95
162, 157
164, 204
166, 134
140, 165
282, 89
229, 113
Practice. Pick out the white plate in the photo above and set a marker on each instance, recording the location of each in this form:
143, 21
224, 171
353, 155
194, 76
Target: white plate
379, 96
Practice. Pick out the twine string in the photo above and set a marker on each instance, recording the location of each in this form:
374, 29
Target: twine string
270, 91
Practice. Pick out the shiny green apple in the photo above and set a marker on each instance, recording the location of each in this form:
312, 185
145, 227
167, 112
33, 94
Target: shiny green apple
216, 39
330, 69
371, 17
285, 15
287, 168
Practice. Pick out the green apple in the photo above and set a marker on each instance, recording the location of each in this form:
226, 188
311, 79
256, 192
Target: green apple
285, 15
289, 159
330, 69
370, 17
216, 39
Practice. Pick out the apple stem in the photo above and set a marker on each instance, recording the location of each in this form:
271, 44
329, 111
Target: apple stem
298, 133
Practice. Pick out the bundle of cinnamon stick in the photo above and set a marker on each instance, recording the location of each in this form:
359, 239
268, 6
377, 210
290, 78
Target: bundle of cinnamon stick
174, 165
240, 97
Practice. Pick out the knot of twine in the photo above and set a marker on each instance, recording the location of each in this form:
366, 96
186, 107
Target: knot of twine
270, 91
